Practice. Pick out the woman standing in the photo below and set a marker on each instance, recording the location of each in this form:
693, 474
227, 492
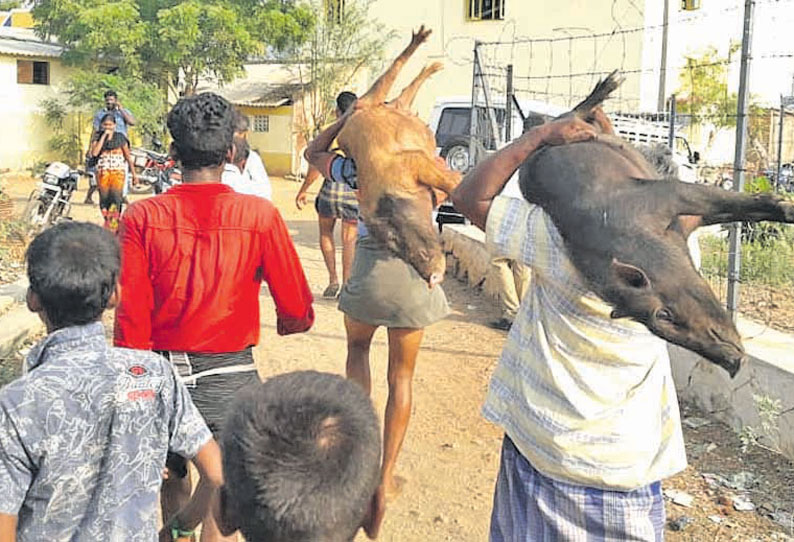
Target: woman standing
111, 149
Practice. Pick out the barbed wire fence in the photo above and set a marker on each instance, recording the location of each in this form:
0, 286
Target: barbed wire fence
545, 76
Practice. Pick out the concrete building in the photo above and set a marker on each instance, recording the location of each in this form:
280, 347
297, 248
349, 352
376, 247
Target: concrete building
267, 94
586, 33
30, 71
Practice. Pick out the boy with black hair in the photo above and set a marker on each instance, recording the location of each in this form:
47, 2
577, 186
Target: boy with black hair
196, 257
85, 432
301, 460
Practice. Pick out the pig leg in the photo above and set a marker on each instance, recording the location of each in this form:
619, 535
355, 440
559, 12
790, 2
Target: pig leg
377, 93
718, 206
406, 97
429, 172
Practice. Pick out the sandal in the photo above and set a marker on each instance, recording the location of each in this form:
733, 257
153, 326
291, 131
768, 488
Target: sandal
331, 291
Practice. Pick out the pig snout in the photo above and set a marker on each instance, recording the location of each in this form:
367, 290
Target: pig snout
728, 354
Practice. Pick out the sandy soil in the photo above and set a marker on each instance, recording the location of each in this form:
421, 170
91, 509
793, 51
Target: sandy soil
450, 457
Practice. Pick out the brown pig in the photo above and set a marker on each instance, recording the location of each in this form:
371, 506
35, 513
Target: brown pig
394, 153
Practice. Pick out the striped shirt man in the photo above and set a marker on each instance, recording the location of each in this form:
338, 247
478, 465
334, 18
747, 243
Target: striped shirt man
587, 402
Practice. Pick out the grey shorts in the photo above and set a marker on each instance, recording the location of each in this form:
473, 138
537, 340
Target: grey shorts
225, 374
384, 290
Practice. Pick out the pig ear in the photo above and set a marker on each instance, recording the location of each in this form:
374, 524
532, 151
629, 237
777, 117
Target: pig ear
631, 276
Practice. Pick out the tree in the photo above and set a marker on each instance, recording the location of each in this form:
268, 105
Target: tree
704, 96
704, 89
171, 42
343, 44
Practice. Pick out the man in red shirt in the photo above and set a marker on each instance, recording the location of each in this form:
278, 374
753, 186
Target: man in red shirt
193, 260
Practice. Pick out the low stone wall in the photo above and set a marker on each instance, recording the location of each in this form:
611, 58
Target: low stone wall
769, 373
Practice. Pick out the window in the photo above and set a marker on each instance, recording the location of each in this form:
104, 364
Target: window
456, 122
334, 10
30, 72
261, 123
486, 10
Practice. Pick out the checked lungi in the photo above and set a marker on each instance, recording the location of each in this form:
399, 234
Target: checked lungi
530, 507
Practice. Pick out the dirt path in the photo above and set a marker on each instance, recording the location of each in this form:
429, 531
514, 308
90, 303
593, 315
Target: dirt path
450, 456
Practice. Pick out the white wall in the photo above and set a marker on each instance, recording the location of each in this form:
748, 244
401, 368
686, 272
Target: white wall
24, 134
453, 38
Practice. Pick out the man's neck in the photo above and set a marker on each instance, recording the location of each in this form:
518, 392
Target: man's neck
203, 175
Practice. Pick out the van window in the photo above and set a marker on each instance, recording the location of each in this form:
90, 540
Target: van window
455, 122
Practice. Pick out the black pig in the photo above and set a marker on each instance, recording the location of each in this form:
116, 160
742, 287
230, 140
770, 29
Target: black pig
624, 232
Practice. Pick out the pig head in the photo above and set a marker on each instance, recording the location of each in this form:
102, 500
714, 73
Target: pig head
625, 230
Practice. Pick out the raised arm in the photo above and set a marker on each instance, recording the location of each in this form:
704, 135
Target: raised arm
129, 118
96, 146
317, 153
480, 186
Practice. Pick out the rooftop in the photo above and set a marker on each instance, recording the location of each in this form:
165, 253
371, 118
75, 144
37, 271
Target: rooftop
264, 85
24, 42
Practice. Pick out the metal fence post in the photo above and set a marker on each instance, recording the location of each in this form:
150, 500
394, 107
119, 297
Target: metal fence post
473, 109
671, 132
735, 254
780, 143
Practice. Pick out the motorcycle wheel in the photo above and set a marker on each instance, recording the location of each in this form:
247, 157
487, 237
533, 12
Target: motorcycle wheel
32, 212
147, 178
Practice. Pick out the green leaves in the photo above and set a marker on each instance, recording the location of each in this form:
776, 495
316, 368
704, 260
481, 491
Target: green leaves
334, 56
172, 42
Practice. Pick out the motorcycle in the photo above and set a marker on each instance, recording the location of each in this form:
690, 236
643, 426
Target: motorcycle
50, 201
159, 170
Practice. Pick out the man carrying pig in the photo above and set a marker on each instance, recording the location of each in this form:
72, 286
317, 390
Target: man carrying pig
587, 402
383, 290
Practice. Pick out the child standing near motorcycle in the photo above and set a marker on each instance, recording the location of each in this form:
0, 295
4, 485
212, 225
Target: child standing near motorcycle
111, 149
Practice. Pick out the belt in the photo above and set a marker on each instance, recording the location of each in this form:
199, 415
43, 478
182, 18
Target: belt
181, 360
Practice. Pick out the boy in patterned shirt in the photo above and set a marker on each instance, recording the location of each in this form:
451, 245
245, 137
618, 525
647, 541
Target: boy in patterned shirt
85, 432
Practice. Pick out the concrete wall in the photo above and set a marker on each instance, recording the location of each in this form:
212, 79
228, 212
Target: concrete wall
453, 38
277, 145
769, 373
24, 134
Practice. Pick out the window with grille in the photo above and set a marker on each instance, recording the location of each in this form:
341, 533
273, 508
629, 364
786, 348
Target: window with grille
334, 10
486, 10
261, 123
30, 72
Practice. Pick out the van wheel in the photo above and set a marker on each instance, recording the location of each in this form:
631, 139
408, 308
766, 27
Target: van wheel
456, 153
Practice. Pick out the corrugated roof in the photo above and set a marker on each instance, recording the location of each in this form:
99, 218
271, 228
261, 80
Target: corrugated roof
263, 85
23, 42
